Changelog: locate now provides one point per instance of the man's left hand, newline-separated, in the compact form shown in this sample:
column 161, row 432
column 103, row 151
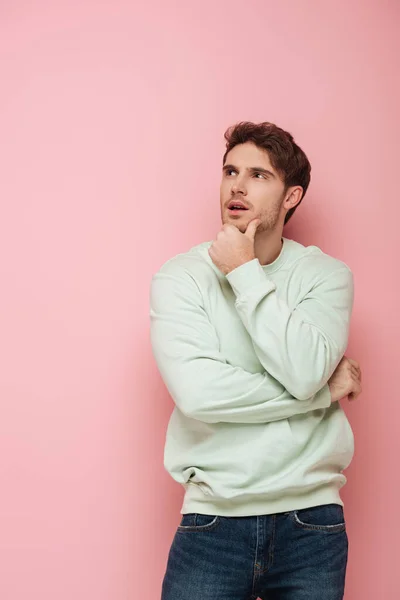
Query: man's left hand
column 233, row 248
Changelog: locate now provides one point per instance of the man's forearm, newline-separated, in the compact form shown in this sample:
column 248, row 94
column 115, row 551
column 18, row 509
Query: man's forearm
column 302, row 346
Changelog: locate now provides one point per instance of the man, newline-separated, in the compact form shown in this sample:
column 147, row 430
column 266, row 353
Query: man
column 249, row 333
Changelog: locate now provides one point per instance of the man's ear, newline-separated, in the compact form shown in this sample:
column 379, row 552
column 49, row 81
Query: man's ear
column 293, row 196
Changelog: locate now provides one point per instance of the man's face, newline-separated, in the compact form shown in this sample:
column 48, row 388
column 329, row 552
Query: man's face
column 248, row 176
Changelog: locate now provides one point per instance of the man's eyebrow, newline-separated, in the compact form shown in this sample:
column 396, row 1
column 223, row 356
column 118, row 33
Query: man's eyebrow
column 251, row 169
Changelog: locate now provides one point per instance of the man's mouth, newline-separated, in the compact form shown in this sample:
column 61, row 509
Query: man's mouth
column 233, row 206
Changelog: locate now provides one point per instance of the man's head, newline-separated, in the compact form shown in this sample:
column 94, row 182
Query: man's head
column 266, row 170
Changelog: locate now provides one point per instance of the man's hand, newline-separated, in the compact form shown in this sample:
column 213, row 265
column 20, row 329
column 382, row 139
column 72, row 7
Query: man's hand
column 233, row 248
column 346, row 380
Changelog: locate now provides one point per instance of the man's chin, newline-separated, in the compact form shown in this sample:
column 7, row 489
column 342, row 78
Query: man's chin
column 241, row 225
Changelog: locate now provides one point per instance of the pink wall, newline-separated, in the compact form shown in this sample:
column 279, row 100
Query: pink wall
column 112, row 119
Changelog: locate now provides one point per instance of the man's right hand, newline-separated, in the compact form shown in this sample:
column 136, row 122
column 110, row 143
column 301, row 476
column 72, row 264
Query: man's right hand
column 346, row 380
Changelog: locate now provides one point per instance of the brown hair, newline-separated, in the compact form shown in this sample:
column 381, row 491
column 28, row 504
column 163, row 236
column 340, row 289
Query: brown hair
column 285, row 155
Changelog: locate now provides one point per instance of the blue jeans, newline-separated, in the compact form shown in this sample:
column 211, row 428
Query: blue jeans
column 296, row 555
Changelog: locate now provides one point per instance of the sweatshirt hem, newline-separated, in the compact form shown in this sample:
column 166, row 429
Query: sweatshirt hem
column 195, row 501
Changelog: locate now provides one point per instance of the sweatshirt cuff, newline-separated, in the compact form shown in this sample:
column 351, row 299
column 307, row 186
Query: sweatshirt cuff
column 247, row 276
column 323, row 398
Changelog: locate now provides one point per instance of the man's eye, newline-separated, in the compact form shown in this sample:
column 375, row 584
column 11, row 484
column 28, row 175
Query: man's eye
column 261, row 175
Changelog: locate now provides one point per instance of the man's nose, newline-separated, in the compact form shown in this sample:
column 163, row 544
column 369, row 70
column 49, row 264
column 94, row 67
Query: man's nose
column 238, row 187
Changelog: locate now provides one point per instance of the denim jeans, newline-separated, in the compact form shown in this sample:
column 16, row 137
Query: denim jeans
column 296, row 555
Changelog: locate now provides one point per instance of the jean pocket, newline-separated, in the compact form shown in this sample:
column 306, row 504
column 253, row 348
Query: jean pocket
column 198, row 522
column 325, row 517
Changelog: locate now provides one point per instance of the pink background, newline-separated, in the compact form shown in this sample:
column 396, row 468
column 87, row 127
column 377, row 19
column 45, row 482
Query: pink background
column 111, row 139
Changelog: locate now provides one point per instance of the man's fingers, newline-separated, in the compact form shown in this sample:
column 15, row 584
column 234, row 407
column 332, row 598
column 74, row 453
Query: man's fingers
column 356, row 391
column 353, row 362
column 252, row 228
column 355, row 365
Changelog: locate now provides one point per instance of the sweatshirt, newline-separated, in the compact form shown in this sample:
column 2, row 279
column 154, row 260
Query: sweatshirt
column 246, row 358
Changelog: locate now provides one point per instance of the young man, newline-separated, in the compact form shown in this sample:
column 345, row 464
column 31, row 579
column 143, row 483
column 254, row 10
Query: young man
column 249, row 333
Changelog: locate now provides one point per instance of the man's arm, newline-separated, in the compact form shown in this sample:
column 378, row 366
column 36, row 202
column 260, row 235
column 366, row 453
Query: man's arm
column 300, row 347
column 200, row 381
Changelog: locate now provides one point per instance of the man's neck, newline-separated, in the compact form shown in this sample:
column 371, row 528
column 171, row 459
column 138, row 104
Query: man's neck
column 268, row 246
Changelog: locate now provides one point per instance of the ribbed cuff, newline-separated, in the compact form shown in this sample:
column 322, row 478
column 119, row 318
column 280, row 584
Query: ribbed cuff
column 323, row 398
column 248, row 275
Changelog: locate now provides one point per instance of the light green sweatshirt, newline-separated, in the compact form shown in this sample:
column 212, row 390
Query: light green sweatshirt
column 246, row 358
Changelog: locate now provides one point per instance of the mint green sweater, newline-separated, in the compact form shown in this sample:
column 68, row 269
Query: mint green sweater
column 246, row 358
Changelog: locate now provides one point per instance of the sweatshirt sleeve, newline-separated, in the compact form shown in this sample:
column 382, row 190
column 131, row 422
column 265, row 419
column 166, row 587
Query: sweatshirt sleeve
column 200, row 381
column 300, row 346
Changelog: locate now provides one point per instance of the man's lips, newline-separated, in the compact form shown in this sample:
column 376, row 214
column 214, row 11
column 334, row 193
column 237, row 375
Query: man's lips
column 237, row 205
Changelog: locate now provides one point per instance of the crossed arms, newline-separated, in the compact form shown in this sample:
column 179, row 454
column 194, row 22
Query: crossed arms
column 299, row 348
